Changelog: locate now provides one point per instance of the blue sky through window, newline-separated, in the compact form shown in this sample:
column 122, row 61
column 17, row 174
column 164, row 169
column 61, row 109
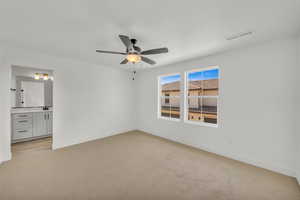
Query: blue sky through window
column 170, row 79
column 204, row 75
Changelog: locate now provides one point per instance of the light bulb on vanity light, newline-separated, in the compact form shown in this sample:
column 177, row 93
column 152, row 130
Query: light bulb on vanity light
column 37, row 76
column 45, row 77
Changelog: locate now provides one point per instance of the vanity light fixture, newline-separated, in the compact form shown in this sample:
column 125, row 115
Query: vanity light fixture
column 45, row 77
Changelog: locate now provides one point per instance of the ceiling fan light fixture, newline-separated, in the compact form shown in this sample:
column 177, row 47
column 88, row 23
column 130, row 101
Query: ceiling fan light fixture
column 134, row 58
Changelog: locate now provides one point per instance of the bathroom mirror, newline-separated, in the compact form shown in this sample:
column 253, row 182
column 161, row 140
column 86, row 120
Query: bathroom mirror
column 32, row 93
column 28, row 90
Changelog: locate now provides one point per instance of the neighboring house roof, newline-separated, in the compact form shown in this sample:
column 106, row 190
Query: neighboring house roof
column 174, row 86
column 204, row 84
column 193, row 85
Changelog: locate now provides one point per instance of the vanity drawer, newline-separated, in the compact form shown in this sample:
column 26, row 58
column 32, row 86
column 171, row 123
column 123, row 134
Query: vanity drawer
column 26, row 122
column 22, row 133
column 22, row 115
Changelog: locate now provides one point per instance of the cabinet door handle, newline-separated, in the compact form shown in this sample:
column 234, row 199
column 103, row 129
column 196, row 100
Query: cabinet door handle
column 44, row 116
column 23, row 121
column 22, row 131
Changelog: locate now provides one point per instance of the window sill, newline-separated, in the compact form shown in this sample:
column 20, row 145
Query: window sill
column 170, row 119
column 201, row 124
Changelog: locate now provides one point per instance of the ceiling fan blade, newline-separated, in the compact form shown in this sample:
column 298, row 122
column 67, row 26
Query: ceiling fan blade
column 125, row 61
column 112, row 52
column 136, row 48
column 148, row 60
column 155, row 51
column 126, row 41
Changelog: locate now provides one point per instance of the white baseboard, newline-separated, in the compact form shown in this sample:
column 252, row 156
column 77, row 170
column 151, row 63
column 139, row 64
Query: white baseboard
column 5, row 159
column 298, row 178
column 256, row 163
column 59, row 146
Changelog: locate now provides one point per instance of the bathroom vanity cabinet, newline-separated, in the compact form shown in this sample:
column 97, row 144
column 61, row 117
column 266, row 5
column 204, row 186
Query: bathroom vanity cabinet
column 31, row 125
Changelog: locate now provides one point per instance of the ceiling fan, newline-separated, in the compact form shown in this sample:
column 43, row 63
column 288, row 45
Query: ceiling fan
column 134, row 54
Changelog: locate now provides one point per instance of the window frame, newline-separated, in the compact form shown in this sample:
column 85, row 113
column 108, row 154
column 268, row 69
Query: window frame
column 160, row 96
column 186, row 108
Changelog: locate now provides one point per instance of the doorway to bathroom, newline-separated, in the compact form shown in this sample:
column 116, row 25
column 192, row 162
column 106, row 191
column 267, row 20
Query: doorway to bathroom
column 31, row 110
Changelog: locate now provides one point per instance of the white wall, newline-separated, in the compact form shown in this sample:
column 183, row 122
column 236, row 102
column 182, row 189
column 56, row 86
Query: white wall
column 90, row 101
column 257, row 106
column 4, row 108
column 298, row 106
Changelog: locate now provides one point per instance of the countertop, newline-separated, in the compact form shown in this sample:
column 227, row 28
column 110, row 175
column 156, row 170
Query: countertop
column 28, row 110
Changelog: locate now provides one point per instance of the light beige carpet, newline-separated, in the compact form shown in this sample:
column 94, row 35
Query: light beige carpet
column 139, row 166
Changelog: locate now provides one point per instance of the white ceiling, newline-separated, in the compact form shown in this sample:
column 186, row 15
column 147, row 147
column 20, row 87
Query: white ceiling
column 189, row 28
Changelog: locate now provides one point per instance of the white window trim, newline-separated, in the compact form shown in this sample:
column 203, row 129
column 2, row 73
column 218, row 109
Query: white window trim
column 202, row 123
column 159, row 96
column 185, row 100
column 169, row 118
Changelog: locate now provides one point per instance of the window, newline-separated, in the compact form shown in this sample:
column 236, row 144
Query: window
column 169, row 96
column 202, row 90
column 167, row 99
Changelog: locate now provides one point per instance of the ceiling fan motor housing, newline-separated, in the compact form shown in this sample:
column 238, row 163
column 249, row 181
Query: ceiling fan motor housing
column 134, row 47
column 133, row 41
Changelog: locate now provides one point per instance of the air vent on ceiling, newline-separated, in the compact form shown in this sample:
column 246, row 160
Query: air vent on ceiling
column 237, row 36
